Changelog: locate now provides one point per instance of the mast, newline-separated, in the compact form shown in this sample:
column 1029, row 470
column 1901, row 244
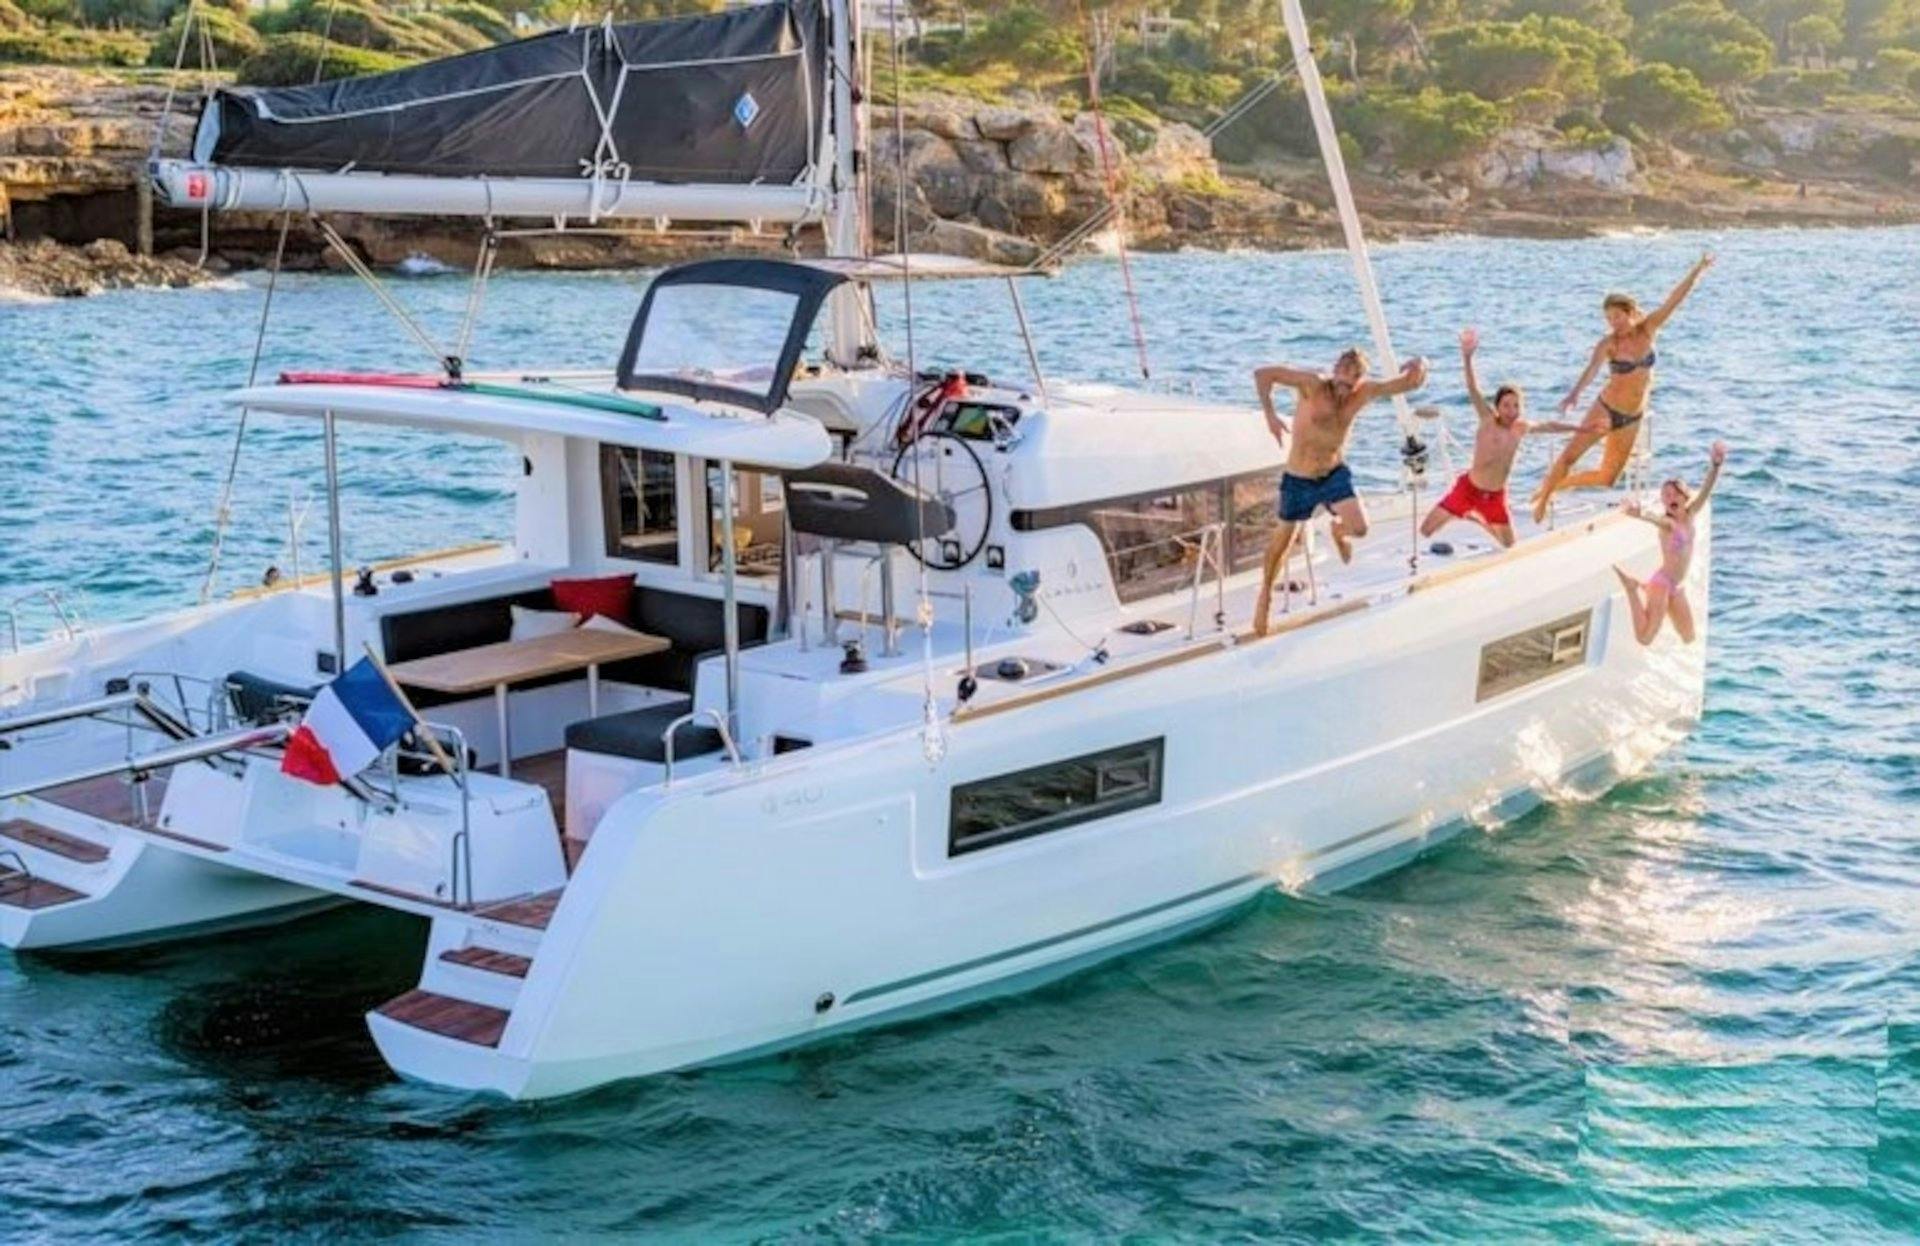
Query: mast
column 846, row 328
column 1329, row 141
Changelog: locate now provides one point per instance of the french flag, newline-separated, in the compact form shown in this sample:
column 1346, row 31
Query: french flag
column 350, row 723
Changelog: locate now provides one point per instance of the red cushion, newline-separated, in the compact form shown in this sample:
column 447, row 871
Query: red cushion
column 611, row 595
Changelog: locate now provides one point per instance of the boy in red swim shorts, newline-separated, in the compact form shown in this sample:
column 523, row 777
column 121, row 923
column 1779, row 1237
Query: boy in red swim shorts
column 1480, row 494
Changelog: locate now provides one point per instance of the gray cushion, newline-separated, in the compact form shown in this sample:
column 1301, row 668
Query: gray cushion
column 640, row 734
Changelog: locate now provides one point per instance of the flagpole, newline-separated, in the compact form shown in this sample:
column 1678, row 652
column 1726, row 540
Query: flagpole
column 424, row 731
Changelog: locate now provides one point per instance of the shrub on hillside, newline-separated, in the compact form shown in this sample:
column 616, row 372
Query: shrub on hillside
column 1430, row 128
column 1897, row 69
column 459, row 34
column 1718, row 46
column 73, row 47
column 289, row 60
column 1663, row 100
column 359, row 24
column 1892, row 156
column 1603, row 17
column 1807, row 87
column 232, row 39
column 1022, row 36
column 1498, row 60
column 12, row 19
column 484, row 18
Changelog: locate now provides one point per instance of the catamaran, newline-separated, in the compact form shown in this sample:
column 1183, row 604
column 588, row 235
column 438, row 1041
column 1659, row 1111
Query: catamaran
column 811, row 693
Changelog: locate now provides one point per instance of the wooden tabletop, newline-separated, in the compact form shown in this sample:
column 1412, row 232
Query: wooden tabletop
column 516, row 661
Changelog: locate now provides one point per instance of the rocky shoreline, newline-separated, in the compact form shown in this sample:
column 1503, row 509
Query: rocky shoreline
column 1002, row 182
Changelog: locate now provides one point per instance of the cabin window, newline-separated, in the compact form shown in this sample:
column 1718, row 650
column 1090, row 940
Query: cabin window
column 1153, row 539
column 990, row 812
column 1527, row 657
column 759, row 515
column 642, row 504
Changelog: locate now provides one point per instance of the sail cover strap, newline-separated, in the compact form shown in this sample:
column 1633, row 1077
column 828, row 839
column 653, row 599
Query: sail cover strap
column 728, row 98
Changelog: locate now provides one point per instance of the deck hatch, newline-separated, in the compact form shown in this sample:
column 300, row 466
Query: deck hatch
column 1515, row 661
column 1060, row 794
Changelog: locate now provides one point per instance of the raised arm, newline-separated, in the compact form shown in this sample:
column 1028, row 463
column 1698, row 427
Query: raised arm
column 1594, row 361
column 1715, row 457
column 1470, row 342
column 1658, row 316
column 1264, row 379
column 1413, row 374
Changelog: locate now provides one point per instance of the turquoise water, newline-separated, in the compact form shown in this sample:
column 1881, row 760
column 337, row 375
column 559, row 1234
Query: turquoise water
column 1687, row 1010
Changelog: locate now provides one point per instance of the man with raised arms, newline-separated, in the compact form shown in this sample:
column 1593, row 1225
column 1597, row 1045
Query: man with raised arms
column 1316, row 474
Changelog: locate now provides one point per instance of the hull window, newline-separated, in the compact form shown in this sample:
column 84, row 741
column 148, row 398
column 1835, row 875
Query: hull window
column 1516, row 661
column 642, row 507
column 989, row 812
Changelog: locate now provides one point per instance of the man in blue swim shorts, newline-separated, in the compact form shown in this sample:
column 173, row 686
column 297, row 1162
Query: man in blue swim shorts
column 1316, row 474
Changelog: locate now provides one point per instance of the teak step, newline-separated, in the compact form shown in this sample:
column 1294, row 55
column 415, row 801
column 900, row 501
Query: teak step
column 110, row 799
column 24, row 891
column 533, row 911
column 59, row 843
column 505, row 963
column 448, row 1017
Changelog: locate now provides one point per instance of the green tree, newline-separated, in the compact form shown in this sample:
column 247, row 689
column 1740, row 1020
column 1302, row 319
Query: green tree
column 1813, row 35
column 1432, row 127
column 1497, row 60
column 1662, row 100
column 1605, row 17
column 1720, row 47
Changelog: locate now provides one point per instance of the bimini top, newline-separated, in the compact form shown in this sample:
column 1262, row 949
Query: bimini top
column 731, row 98
column 782, row 439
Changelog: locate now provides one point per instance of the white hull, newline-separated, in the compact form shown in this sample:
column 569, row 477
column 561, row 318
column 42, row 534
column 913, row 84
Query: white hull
column 711, row 923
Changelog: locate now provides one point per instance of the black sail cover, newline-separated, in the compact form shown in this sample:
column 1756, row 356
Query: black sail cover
column 729, row 98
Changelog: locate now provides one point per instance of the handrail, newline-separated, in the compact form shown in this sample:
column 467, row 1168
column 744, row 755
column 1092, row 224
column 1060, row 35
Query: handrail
column 720, row 724
column 197, row 749
column 1211, row 552
column 70, row 622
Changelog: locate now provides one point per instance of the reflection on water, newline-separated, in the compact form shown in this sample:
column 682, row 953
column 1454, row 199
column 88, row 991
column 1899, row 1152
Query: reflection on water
column 1685, row 1010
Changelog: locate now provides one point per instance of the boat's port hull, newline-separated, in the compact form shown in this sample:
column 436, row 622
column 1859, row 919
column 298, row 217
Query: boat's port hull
column 750, row 912
column 144, row 893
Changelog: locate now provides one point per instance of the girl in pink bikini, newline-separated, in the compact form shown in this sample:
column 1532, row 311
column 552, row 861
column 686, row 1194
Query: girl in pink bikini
column 1664, row 595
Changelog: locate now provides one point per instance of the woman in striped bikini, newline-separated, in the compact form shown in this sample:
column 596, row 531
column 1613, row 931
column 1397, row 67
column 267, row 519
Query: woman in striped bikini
column 1628, row 355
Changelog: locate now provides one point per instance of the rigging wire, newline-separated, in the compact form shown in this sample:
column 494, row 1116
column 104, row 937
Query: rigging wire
column 173, row 79
column 451, row 364
column 326, row 34
column 933, row 743
column 1113, row 197
column 224, row 513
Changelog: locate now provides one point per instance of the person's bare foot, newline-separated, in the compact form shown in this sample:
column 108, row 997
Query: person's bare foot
column 1626, row 581
column 1540, row 503
column 1261, row 608
column 1340, row 541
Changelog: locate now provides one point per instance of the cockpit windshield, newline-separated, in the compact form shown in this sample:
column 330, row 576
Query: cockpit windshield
column 725, row 330
column 730, row 336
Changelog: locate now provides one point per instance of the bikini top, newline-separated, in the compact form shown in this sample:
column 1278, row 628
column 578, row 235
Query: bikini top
column 1621, row 367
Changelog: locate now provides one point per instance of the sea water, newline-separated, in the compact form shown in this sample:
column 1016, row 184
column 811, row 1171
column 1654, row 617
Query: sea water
column 1688, row 1009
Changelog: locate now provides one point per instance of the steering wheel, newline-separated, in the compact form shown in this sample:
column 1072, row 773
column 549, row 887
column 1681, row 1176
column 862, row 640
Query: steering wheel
column 948, row 468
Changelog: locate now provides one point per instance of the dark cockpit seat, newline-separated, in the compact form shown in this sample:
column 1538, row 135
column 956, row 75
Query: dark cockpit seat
column 641, row 734
column 257, row 700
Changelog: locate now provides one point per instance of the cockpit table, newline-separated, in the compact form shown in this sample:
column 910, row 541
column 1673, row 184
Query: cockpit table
column 499, row 666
